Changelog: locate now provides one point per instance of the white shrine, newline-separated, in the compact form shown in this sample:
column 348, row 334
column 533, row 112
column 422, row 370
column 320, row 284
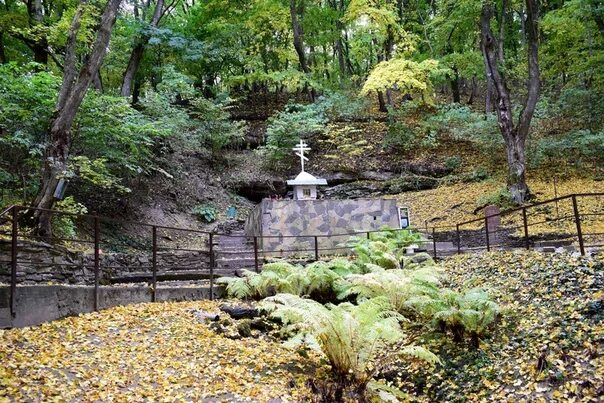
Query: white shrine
column 305, row 184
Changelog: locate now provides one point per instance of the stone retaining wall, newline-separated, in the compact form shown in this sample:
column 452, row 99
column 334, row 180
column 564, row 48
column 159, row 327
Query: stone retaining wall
column 40, row 263
column 37, row 304
column 277, row 219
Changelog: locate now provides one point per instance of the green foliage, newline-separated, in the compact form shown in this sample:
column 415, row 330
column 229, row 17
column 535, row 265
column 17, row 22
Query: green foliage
column 214, row 126
column 286, row 128
column 406, row 76
column 344, row 145
column 111, row 129
column 205, row 213
column 470, row 312
column 384, row 249
column 398, row 286
column 318, row 280
column 576, row 147
column 350, row 336
column 26, row 104
column 64, row 225
column 501, row 198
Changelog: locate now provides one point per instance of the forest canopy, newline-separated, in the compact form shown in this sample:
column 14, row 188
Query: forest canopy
column 98, row 90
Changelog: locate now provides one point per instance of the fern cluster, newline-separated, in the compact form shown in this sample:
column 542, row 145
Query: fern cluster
column 398, row 286
column 350, row 336
column 319, row 280
column 469, row 313
column 385, row 248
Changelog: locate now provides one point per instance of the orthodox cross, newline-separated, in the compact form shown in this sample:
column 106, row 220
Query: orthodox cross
column 300, row 148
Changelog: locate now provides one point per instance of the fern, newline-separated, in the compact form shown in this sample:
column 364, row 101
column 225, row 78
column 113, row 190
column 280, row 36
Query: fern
column 350, row 336
column 398, row 286
column 470, row 312
column 318, row 280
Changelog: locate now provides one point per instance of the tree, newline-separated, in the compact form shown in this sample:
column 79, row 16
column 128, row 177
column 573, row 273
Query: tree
column 514, row 135
column 71, row 94
column 137, row 51
column 297, row 7
column 405, row 76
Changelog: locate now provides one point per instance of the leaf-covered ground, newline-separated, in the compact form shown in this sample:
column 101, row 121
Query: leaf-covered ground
column 547, row 346
column 456, row 203
column 147, row 351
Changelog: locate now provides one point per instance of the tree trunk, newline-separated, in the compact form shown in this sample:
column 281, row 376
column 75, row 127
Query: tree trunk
column 137, row 52
column 298, row 36
column 3, row 59
column 472, row 91
column 39, row 45
column 514, row 136
column 455, row 86
column 71, row 94
column 517, row 186
column 382, row 102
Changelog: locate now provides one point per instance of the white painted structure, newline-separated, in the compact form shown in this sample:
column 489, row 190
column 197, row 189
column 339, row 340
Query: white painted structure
column 305, row 185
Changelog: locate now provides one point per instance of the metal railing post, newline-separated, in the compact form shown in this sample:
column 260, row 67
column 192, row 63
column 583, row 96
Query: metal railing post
column 316, row 248
column 97, row 262
column 368, row 235
column 578, row 223
column 434, row 241
column 256, row 254
column 13, row 261
column 154, row 263
column 211, row 266
column 526, row 234
column 486, row 230
column 458, row 240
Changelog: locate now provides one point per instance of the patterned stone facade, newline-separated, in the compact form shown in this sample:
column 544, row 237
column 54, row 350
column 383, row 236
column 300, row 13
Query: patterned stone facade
column 288, row 226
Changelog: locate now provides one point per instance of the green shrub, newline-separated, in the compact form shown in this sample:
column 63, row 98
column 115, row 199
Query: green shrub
column 501, row 198
column 398, row 286
column 286, row 128
column 205, row 213
column 576, row 146
column 64, row 225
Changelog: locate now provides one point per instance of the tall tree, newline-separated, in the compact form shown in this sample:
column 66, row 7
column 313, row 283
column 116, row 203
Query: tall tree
column 514, row 135
column 297, row 7
column 138, row 50
column 72, row 92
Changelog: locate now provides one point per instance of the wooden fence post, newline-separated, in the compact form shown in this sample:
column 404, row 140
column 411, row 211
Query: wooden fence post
column 97, row 263
column 154, row 263
column 13, row 261
column 256, row 254
column 316, row 248
column 211, row 266
column 458, row 240
column 578, row 223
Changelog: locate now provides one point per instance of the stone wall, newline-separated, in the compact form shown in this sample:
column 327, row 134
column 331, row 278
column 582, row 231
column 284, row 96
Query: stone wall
column 35, row 304
column 40, row 262
column 276, row 220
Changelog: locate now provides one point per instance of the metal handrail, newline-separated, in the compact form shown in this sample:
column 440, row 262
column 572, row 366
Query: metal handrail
column 352, row 233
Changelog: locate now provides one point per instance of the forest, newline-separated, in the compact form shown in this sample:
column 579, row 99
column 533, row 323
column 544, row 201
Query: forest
column 100, row 94
column 136, row 137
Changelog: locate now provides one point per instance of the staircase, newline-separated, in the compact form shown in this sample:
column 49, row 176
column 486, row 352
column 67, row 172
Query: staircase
column 233, row 252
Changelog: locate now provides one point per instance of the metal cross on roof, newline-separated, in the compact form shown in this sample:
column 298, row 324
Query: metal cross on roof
column 300, row 148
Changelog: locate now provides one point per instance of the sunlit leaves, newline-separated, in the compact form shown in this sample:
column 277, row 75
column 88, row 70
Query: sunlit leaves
column 148, row 351
column 404, row 75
